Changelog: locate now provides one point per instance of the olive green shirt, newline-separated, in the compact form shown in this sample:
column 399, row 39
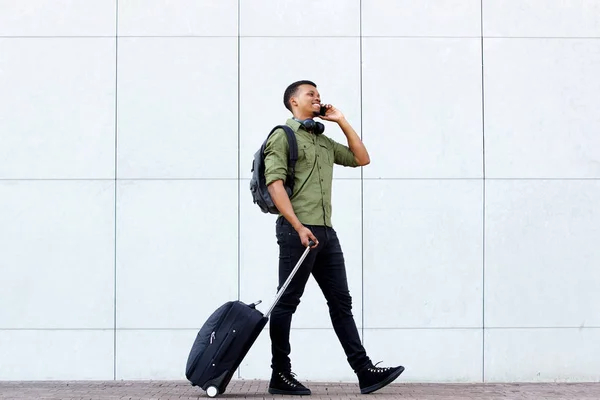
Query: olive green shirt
column 317, row 154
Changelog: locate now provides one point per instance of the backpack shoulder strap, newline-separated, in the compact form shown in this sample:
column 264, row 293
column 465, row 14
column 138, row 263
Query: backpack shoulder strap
column 292, row 155
column 293, row 145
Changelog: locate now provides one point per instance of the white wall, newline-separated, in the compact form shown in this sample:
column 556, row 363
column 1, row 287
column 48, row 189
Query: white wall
column 127, row 133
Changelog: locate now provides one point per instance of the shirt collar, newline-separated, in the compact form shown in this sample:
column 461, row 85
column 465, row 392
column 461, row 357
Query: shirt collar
column 295, row 125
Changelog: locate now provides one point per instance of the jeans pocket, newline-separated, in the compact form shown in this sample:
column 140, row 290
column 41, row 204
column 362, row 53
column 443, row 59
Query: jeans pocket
column 281, row 237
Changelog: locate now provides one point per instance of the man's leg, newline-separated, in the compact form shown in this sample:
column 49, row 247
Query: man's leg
column 290, row 251
column 330, row 273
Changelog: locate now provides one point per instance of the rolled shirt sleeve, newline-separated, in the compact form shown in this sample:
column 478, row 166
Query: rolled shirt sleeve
column 342, row 155
column 276, row 157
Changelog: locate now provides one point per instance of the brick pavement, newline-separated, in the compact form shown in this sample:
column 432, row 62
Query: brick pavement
column 238, row 389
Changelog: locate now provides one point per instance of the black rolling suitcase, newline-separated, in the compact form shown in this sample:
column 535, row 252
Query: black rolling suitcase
column 225, row 338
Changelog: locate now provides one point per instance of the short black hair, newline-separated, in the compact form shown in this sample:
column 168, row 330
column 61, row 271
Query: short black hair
column 291, row 90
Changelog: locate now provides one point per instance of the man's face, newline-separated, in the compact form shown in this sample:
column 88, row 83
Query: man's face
column 308, row 100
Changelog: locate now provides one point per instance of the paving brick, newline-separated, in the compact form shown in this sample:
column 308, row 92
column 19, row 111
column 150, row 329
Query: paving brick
column 241, row 389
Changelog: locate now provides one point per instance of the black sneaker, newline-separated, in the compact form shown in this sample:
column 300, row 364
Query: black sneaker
column 286, row 383
column 373, row 378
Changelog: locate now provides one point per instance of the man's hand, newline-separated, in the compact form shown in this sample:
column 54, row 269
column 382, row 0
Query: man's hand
column 306, row 235
column 332, row 114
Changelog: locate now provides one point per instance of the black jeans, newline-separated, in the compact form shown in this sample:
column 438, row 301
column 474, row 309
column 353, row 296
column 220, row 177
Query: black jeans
column 326, row 263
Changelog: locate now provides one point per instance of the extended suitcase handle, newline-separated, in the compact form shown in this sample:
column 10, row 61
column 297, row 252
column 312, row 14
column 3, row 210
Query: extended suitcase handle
column 289, row 279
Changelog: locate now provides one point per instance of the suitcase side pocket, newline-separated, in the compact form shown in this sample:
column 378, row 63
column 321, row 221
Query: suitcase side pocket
column 225, row 346
column 202, row 345
column 220, row 354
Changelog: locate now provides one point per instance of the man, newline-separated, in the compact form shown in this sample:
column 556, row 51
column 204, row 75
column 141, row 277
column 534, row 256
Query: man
column 305, row 216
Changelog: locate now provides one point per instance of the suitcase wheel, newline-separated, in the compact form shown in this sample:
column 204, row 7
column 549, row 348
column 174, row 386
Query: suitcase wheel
column 212, row 391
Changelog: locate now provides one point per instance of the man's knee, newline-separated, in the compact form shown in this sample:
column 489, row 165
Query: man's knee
column 286, row 305
column 341, row 305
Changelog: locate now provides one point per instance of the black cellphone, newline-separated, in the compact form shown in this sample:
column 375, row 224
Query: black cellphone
column 323, row 110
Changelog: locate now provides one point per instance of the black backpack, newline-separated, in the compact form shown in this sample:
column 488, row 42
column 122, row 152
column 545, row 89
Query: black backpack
column 258, row 187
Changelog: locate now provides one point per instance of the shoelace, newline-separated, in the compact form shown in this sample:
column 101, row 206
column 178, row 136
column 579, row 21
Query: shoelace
column 377, row 369
column 289, row 379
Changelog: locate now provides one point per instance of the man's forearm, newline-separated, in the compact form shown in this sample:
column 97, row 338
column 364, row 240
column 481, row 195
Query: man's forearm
column 282, row 202
column 354, row 143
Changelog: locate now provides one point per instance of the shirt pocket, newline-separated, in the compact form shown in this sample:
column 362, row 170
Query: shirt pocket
column 326, row 152
column 307, row 155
